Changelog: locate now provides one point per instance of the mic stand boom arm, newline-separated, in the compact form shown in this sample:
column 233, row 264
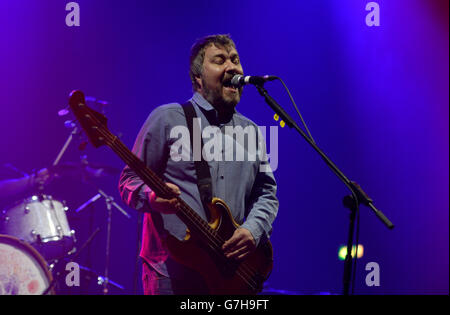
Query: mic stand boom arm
column 351, row 202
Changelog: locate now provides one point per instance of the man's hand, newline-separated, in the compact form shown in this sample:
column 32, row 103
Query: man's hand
column 43, row 177
column 240, row 245
column 166, row 206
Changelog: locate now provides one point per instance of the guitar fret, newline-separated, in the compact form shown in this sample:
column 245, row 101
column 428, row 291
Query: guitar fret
column 159, row 186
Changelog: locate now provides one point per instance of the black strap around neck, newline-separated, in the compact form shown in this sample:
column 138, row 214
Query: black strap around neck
column 201, row 167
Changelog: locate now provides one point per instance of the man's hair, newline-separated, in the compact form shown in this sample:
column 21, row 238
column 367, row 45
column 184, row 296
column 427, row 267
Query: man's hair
column 198, row 54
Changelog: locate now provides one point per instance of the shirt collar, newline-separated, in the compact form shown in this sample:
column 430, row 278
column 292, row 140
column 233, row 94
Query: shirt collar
column 209, row 110
column 201, row 102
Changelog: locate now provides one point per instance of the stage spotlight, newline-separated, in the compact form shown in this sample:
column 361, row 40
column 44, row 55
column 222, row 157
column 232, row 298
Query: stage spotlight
column 343, row 251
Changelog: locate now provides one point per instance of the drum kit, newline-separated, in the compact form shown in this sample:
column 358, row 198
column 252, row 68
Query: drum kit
column 36, row 238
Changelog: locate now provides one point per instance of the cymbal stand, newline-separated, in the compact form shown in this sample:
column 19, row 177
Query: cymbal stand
column 66, row 144
column 109, row 202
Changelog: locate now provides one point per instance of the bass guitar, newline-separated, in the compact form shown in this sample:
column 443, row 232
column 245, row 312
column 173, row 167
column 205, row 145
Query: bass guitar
column 201, row 250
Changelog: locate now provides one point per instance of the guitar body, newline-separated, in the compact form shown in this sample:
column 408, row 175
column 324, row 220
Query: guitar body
column 222, row 275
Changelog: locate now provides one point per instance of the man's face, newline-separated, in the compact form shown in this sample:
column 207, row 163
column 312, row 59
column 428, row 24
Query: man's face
column 219, row 66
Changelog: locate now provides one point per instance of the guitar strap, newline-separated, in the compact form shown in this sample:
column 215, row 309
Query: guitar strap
column 201, row 167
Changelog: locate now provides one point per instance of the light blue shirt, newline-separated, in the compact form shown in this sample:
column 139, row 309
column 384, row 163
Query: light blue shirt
column 249, row 192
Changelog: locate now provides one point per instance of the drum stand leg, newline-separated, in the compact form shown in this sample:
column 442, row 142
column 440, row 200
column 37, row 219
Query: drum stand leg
column 109, row 203
column 108, row 244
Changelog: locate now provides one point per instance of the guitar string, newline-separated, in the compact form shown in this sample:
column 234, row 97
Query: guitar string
column 246, row 269
column 123, row 153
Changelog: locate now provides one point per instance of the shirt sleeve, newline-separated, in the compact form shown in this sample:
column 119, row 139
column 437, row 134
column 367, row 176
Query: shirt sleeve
column 16, row 188
column 263, row 205
column 150, row 147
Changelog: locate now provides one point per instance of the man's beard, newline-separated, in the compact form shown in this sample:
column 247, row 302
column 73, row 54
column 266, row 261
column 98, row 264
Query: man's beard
column 220, row 101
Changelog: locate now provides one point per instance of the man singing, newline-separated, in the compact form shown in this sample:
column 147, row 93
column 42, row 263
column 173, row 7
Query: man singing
column 247, row 186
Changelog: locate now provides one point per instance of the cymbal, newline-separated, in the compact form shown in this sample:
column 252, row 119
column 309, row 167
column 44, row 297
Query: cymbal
column 83, row 168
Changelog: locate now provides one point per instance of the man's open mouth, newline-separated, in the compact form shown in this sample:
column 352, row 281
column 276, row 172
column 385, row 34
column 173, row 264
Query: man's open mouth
column 227, row 84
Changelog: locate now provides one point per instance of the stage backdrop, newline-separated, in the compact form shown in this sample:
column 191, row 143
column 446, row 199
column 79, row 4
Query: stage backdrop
column 370, row 78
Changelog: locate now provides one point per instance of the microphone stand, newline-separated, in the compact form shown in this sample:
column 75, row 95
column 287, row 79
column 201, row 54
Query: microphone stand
column 352, row 201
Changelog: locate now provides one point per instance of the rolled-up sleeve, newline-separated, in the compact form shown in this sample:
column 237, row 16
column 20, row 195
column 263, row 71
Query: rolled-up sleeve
column 263, row 206
column 150, row 146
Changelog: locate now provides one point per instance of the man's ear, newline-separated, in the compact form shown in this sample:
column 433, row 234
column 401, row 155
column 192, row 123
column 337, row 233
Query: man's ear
column 198, row 80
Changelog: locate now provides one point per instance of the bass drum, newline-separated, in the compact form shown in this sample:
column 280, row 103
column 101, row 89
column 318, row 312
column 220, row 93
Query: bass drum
column 23, row 271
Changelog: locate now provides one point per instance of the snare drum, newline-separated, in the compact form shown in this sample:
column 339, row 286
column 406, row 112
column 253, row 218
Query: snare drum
column 42, row 222
column 23, row 271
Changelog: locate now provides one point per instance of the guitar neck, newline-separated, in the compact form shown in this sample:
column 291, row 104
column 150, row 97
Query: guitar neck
column 94, row 124
column 186, row 213
column 138, row 166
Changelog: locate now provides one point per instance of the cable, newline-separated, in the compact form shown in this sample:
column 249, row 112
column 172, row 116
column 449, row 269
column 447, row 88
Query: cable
column 356, row 246
column 354, row 194
column 296, row 108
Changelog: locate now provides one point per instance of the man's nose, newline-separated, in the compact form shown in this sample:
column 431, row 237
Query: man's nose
column 232, row 68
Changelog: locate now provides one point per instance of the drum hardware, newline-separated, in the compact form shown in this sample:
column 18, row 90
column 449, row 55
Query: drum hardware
column 88, row 203
column 109, row 201
column 41, row 221
column 4, row 217
column 55, row 219
column 36, row 237
column 66, row 144
column 58, row 270
column 88, row 277
column 95, row 170
column 59, row 229
column 83, row 169
column 53, row 266
column 101, row 281
column 14, row 169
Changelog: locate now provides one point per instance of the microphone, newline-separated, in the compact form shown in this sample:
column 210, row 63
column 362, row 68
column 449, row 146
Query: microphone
column 239, row 80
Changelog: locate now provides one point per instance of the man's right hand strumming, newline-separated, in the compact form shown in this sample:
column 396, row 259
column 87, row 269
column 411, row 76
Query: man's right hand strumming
column 166, row 206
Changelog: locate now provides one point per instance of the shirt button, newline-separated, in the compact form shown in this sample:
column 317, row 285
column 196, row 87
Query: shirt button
column 221, row 176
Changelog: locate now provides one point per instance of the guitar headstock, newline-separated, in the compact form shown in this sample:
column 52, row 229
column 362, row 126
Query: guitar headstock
column 92, row 122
